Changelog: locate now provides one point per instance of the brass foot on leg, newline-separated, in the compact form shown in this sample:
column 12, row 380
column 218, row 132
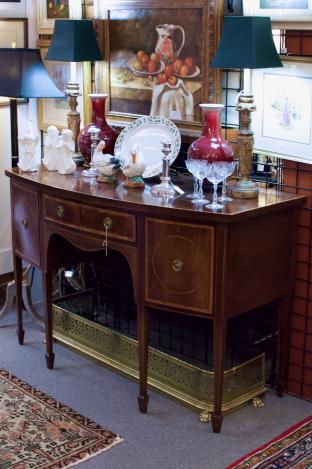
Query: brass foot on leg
column 20, row 336
column 205, row 416
column 257, row 403
column 143, row 402
column 49, row 360
column 216, row 420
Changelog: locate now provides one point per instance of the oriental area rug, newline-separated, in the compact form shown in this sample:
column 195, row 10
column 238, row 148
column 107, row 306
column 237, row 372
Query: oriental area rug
column 37, row 432
column 290, row 450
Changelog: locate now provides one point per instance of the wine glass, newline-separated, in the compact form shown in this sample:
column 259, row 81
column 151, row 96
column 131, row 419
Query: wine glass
column 229, row 167
column 215, row 173
column 194, row 194
column 197, row 169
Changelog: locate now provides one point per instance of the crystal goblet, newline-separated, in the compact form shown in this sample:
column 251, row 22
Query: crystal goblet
column 215, row 173
column 229, row 167
column 197, row 169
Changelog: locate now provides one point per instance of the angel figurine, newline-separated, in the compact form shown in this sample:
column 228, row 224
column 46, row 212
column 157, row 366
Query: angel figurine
column 51, row 153
column 105, row 164
column 66, row 149
column 28, row 145
column 134, row 169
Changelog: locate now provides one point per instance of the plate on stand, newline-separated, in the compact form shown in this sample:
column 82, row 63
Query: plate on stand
column 148, row 132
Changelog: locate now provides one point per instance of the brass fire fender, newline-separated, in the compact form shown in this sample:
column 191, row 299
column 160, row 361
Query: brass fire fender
column 185, row 383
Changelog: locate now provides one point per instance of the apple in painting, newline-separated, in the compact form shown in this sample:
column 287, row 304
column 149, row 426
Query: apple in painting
column 155, row 57
column 138, row 66
column 177, row 64
column 184, row 71
column 152, row 66
column 140, row 55
column 145, row 60
column 172, row 80
column 168, row 70
column 161, row 78
column 189, row 61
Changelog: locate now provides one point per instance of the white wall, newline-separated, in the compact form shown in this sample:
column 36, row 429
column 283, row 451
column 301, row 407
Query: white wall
column 26, row 8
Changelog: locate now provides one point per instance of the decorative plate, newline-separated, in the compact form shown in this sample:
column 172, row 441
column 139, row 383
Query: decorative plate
column 148, row 132
column 144, row 73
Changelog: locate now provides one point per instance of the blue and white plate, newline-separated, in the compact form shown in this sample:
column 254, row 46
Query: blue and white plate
column 147, row 133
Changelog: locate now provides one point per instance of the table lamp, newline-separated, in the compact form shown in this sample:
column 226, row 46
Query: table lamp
column 23, row 75
column 74, row 41
column 246, row 42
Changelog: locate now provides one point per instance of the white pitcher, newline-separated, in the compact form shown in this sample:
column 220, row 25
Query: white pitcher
column 168, row 51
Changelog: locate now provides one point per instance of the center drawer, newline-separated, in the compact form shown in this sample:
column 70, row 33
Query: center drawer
column 119, row 225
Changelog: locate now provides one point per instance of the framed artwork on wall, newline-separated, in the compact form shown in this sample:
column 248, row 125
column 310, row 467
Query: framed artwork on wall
column 280, row 10
column 154, row 63
column 13, row 33
column 282, row 122
column 53, row 111
column 50, row 10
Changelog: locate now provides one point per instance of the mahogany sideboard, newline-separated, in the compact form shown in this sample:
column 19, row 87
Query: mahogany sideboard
column 182, row 258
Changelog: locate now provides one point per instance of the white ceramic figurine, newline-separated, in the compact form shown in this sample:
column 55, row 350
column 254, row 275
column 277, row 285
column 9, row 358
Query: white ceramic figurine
column 105, row 163
column 66, row 148
column 28, row 145
column 51, row 153
column 134, row 169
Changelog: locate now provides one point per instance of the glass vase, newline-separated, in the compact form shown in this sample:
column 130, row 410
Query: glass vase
column 210, row 146
column 107, row 133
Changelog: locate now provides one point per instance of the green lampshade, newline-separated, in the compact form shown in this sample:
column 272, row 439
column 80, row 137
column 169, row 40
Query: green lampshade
column 246, row 42
column 74, row 41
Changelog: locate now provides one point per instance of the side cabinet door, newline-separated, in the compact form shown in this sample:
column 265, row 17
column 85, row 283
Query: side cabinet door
column 25, row 223
column 179, row 270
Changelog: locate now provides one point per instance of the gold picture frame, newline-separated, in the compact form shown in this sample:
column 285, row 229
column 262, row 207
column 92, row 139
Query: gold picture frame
column 49, row 10
column 133, row 94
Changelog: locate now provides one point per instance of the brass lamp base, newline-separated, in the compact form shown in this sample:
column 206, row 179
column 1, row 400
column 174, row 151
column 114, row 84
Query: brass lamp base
column 245, row 190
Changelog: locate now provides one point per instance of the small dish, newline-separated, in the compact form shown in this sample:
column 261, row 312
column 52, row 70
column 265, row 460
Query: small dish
column 148, row 132
column 144, row 73
column 194, row 75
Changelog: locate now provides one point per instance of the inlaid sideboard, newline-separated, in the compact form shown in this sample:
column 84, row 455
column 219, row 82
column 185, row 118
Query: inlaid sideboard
column 183, row 259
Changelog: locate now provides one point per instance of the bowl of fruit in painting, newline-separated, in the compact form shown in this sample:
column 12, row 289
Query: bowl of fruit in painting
column 143, row 64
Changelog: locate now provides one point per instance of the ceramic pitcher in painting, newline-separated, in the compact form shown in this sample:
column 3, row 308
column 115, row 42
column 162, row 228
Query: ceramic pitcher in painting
column 166, row 47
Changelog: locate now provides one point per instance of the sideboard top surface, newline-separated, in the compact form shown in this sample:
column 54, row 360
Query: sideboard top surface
column 141, row 200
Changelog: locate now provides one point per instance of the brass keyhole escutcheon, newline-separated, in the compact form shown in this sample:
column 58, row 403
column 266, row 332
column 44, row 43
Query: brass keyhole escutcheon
column 177, row 265
column 108, row 223
column 25, row 223
column 60, row 210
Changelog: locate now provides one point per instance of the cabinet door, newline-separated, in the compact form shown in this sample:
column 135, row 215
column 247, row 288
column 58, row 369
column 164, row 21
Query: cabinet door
column 179, row 265
column 25, row 223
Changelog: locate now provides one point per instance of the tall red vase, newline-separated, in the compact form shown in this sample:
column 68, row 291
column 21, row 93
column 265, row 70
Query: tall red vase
column 107, row 134
column 210, row 146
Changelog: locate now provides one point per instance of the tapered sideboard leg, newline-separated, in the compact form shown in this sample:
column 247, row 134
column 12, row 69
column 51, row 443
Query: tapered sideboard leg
column 47, row 295
column 18, row 277
column 143, row 334
column 219, row 349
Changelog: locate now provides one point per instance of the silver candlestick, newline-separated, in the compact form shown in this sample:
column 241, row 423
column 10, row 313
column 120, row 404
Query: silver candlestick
column 92, row 172
column 165, row 188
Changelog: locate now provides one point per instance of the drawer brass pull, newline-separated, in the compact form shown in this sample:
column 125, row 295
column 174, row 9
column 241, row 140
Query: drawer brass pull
column 108, row 223
column 60, row 210
column 25, row 223
column 177, row 265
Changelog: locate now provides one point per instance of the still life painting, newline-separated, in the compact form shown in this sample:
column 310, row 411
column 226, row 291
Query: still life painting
column 156, row 61
column 57, row 9
column 282, row 121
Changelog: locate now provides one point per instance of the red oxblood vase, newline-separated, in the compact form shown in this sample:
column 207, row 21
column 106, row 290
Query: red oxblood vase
column 210, row 146
column 107, row 134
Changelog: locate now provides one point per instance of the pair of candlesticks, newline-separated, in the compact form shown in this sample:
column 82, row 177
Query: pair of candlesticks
column 165, row 188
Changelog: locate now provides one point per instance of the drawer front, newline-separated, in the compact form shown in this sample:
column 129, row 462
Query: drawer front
column 179, row 270
column 25, row 210
column 93, row 220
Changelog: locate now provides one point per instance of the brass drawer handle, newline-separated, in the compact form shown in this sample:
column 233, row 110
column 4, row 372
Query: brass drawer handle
column 108, row 223
column 60, row 210
column 177, row 265
column 25, row 223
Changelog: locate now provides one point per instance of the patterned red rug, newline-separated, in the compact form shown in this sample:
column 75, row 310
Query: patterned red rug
column 290, row 450
column 37, row 432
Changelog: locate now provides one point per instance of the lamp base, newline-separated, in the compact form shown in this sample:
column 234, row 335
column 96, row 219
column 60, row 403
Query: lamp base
column 245, row 190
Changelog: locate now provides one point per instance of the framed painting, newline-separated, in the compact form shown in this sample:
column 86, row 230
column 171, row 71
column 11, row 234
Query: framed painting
column 154, row 63
column 53, row 111
column 282, row 121
column 50, row 10
column 280, row 10
column 13, row 33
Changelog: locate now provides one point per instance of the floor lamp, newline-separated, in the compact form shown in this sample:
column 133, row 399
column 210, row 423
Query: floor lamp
column 22, row 75
column 246, row 43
